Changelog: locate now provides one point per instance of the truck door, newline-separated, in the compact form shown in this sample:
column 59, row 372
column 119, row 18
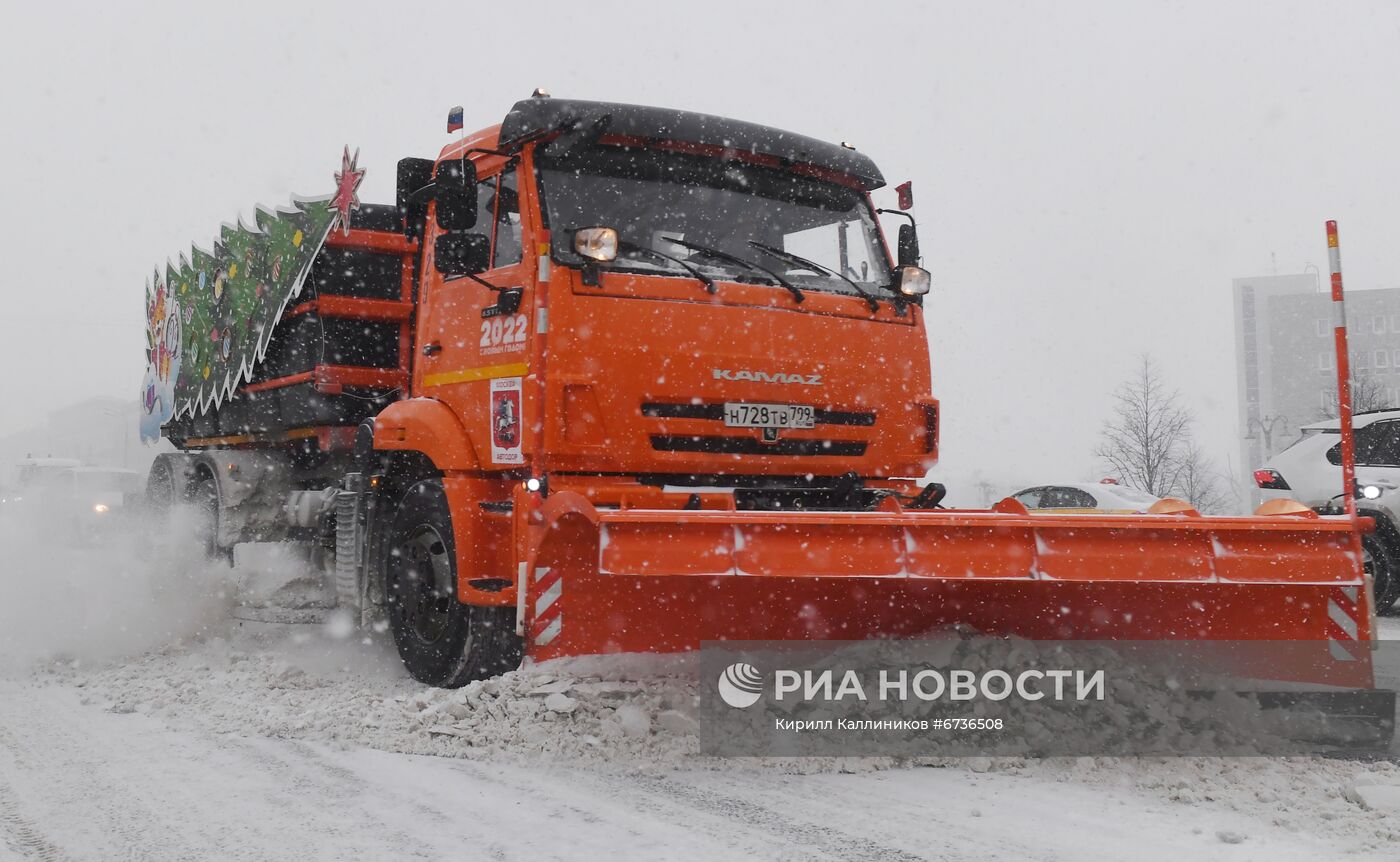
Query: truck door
column 473, row 348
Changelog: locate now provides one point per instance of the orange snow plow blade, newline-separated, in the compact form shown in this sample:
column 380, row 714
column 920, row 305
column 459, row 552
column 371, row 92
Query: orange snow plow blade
column 628, row 580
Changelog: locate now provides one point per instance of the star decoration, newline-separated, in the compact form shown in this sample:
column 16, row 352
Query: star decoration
column 347, row 182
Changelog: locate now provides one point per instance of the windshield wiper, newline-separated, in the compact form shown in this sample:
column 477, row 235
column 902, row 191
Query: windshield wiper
column 803, row 262
column 624, row 245
column 717, row 254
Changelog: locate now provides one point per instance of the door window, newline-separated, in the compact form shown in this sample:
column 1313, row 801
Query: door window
column 1066, row 498
column 1377, row 445
column 498, row 218
column 1031, row 498
column 1382, row 447
column 504, row 203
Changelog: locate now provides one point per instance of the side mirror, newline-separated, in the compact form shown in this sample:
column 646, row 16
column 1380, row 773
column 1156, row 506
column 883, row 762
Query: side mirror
column 413, row 176
column 462, row 253
column 908, row 245
column 456, row 195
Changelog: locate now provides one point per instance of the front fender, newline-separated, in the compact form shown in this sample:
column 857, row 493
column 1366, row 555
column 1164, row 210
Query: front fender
column 428, row 426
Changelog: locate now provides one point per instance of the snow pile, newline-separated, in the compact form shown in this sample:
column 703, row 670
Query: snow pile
column 304, row 682
column 314, row 683
column 575, row 717
column 1144, row 708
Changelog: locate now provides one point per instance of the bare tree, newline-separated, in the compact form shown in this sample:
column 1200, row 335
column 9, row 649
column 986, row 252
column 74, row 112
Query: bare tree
column 1199, row 482
column 1149, row 446
column 1367, row 393
column 1142, row 442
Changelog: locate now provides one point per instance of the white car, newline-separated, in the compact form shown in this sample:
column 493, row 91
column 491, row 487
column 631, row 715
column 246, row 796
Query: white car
column 1086, row 497
column 1310, row 472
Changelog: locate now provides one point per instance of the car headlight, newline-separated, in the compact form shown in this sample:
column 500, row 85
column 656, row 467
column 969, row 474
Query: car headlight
column 100, row 508
column 1370, row 492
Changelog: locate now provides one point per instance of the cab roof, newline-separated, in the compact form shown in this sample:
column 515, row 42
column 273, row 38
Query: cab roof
column 538, row 116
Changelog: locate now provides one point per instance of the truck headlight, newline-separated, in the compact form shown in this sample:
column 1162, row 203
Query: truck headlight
column 914, row 280
column 596, row 243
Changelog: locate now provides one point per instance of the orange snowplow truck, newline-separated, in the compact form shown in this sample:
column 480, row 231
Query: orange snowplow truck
column 612, row 378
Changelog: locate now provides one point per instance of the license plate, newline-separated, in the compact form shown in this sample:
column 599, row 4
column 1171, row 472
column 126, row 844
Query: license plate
column 769, row 415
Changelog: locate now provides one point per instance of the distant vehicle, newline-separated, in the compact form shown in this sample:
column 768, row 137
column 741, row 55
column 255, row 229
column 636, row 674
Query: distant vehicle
column 34, row 473
column 1310, row 472
column 89, row 501
column 98, row 498
column 34, row 476
column 1102, row 498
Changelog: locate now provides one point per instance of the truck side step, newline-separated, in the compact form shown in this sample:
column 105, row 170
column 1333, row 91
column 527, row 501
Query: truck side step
column 350, row 544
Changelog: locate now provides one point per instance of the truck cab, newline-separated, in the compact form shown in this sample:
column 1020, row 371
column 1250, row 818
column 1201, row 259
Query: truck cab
column 654, row 308
column 737, row 314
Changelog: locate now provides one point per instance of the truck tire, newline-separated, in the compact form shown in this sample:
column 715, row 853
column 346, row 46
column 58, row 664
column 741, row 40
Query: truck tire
column 1380, row 561
column 160, row 488
column 204, row 503
column 441, row 641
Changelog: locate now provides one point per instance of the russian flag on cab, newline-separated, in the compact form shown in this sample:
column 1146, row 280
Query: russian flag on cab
column 454, row 119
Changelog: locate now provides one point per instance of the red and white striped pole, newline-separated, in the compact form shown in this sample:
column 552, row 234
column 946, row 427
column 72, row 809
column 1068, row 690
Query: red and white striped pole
column 1339, row 332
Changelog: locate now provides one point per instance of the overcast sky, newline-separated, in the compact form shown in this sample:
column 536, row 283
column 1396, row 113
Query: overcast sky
column 1089, row 176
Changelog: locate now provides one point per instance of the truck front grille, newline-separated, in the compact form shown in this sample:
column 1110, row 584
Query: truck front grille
column 754, row 446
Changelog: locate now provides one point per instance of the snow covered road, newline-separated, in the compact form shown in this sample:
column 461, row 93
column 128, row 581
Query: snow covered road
column 81, row 781
column 181, row 734
column 249, row 745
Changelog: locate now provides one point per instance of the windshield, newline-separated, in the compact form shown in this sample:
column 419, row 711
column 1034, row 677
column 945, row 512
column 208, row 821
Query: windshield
column 651, row 196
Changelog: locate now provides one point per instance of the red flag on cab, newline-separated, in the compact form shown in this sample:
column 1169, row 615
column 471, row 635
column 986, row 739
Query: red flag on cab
column 906, row 195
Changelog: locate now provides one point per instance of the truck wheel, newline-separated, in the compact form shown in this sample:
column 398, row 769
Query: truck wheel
column 442, row 642
column 160, row 488
column 1379, row 562
column 204, row 502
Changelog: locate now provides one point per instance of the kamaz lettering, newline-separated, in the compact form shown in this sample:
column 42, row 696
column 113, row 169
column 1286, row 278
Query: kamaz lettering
column 766, row 377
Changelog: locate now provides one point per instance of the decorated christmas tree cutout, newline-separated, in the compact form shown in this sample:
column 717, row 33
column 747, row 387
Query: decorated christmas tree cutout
column 210, row 316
